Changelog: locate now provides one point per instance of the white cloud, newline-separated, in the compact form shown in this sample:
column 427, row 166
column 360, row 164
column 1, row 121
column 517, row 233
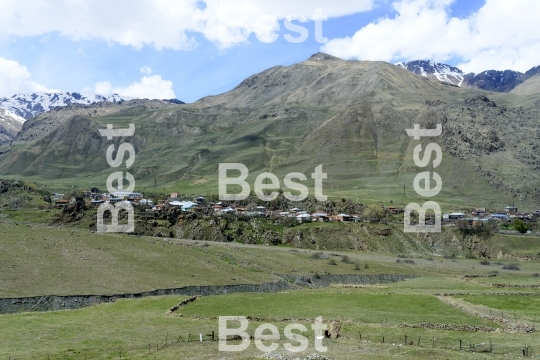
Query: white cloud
column 147, row 70
column 15, row 78
column 501, row 35
column 150, row 87
column 162, row 23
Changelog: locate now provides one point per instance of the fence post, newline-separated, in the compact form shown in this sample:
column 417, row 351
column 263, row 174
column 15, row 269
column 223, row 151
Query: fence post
column 405, row 339
column 459, row 344
column 433, row 340
column 383, row 339
column 418, row 341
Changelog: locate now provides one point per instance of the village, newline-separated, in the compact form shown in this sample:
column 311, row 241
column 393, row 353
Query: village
column 200, row 204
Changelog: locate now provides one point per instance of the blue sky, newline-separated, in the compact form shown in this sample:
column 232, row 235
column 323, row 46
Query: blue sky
column 186, row 59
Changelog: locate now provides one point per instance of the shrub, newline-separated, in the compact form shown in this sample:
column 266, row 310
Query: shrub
column 318, row 255
column 366, row 266
column 520, row 226
column 511, row 267
column 345, row 259
column 470, row 254
column 398, row 261
column 402, row 256
column 536, row 275
column 450, row 256
column 373, row 212
column 429, row 259
column 409, row 261
column 332, row 262
column 485, row 262
column 357, row 265
column 493, row 273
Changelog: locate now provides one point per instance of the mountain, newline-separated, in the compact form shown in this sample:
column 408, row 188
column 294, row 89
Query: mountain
column 348, row 116
column 10, row 125
column 489, row 80
column 430, row 69
column 30, row 105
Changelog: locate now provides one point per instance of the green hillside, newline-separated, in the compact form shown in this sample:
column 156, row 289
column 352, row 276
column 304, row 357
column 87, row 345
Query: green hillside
column 349, row 116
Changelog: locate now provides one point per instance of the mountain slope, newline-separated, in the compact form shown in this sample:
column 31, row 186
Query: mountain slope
column 348, row 116
column 10, row 125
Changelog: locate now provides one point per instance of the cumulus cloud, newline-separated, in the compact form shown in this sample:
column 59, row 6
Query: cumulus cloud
column 149, row 87
column 15, row 78
column 501, row 35
column 164, row 23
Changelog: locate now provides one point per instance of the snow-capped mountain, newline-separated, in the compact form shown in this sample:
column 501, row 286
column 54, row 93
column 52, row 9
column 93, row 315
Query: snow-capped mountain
column 490, row 80
column 10, row 125
column 442, row 72
column 30, row 105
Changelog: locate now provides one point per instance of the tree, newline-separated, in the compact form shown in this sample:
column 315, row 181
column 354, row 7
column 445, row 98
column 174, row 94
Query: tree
column 373, row 212
column 520, row 226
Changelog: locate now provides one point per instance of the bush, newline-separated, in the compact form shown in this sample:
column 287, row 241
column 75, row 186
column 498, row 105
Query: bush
column 520, row 226
column 470, row 255
column 536, row 275
column 345, row 259
column 402, row 256
column 357, row 265
column 493, row 273
column 373, row 212
column 485, row 262
column 409, row 261
column 429, row 259
column 332, row 262
column 450, row 256
column 511, row 267
column 398, row 261
column 319, row 255
column 366, row 266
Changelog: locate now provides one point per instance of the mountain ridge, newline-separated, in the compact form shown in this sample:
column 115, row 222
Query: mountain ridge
column 489, row 80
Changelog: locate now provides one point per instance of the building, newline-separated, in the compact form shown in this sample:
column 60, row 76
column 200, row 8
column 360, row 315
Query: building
column 456, row 216
column 302, row 218
column 344, row 217
column 128, row 195
column 511, row 209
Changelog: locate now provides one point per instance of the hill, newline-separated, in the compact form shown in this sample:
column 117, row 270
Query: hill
column 349, row 116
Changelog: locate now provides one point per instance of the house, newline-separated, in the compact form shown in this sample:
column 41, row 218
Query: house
column 96, row 203
column 478, row 211
column 302, row 218
column 295, row 210
column 456, row 216
column 499, row 217
column 56, row 197
column 61, row 203
column 146, row 202
column 344, row 217
column 128, row 195
column 319, row 216
column 511, row 209
column 174, row 195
